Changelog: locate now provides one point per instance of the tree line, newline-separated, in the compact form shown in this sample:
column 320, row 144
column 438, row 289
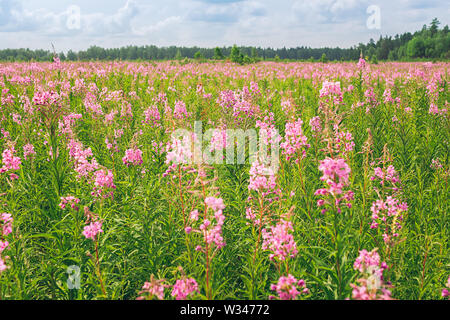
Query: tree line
column 430, row 42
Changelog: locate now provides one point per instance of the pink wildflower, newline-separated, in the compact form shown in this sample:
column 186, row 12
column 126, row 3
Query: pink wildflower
column 179, row 111
column 261, row 178
column 90, row 231
column 445, row 291
column 152, row 116
column 288, row 287
column 336, row 174
column 371, row 282
column 184, row 287
column 279, row 241
column 103, row 180
column 28, row 149
column 71, row 200
column 132, row 156
column 315, row 124
column 294, row 140
column 10, row 162
column 154, row 288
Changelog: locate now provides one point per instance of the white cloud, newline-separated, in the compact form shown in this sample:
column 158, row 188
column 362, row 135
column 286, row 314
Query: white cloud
column 274, row 23
column 117, row 23
column 170, row 21
column 45, row 21
column 326, row 11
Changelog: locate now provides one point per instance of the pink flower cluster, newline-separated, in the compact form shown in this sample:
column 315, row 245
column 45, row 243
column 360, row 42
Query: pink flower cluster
column 46, row 98
column 334, row 169
column 184, row 287
column 239, row 104
column 154, row 288
column 91, row 230
column 179, row 110
column 109, row 118
column 28, row 150
column 371, row 286
column 343, row 142
column 294, row 140
column 336, row 175
column 279, row 241
column 389, row 174
column 436, row 164
column 368, row 260
column 10, row 162
column 213, row 233
column 331, row 90
column 435, row 110
column 152, row 116
column 92, row 106
column 218, row 140
column 65, row 125
column 132, row 156
column 389, row 213
column 215, row 203
column 261, row 178
column 83, row 166
column 103, row 180
column 179, row 151
column 445, row 292
column 361, row 63
column 69, row 200
column 3, row 265
column 370, row 99
column 249, row 214
column 6, row 221
column 267, row 131
column 288, row 288
column 7, row 98
column 315, row 124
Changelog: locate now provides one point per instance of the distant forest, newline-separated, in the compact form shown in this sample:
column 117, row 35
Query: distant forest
column 429, row 43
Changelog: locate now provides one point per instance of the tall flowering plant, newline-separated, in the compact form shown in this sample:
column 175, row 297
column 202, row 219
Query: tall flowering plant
column 388, row 210
column 336, row 196
column 336, row 175
column 6, row 221
column 201, row 211
column 91, row 231
column 371, row 284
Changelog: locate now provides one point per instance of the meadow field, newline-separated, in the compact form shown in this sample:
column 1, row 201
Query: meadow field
column 101, row 200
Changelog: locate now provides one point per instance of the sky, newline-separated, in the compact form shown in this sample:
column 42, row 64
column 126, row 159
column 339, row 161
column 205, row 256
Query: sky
column 78, row 24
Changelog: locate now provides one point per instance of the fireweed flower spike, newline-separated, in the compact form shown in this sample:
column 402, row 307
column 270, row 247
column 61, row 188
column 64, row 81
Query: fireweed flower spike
column 152, row 289
column 445, row 291
column 91, row 231
column 10, row 163
column 279, row 241
column 184, row 287
column 69, row 200
column 28, row 150
column 294, row 141
column 132, row 157
column 336, row 175
column 371, row 284
column 288, row 288
column 6, row 221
